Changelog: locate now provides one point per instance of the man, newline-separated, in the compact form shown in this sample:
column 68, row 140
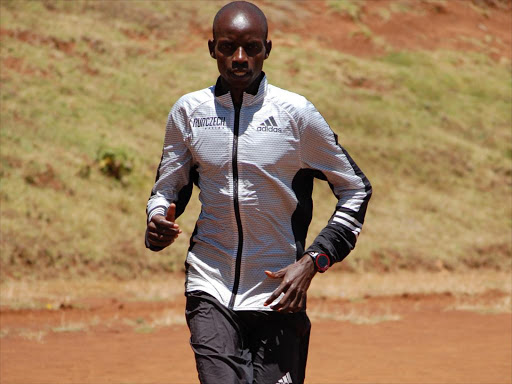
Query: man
column 253, row 149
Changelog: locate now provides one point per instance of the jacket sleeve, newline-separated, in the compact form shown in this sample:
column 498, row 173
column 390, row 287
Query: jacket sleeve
column 321, row 152
column 175, row 174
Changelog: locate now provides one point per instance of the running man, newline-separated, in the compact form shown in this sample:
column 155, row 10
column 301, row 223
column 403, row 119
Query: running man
column 253, row 150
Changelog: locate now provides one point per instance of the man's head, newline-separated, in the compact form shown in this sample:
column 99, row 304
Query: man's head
column 240, row 43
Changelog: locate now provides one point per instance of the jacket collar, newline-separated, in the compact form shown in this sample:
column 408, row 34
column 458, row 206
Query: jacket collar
column 254, row 94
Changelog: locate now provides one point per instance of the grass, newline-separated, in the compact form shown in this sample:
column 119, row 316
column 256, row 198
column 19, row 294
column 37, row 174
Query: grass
column 37, row 336
column 335, row 284
column 421, row 144
column 430, row 129
column 71, row 327
column 357, row 286
column 347, row 7
column 355, row 316
column 50, row 294
column 500, row 305
column 168, row 318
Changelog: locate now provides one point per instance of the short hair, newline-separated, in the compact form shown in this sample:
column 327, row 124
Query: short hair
column 243, row 6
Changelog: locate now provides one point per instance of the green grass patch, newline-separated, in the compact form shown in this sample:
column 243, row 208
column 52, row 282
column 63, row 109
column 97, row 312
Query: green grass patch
column 347, row 7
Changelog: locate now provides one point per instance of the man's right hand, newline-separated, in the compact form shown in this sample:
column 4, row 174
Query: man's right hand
column 162, row 231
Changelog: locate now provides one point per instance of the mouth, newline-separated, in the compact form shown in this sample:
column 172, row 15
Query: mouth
column 240, row 73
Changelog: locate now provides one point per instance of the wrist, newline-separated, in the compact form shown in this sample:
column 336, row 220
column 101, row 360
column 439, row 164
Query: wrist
column 308, row 262
column 159, row 210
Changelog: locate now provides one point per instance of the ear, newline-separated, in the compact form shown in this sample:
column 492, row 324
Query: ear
column 211, row 48
column 268, row 48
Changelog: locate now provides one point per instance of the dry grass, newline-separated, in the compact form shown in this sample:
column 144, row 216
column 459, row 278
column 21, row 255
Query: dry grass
column 355, row 316
column 493, row 306
column 336, row 284
column 168, row 318
column 37, row 336
column 50, row 294
column 355, row 285
column 70, row 327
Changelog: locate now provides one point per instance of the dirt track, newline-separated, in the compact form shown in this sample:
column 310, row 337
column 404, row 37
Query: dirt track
column 427, row 344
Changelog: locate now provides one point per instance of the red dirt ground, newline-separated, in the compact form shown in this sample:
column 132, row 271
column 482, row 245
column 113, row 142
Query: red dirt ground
column 467, row 25
column 428, row 344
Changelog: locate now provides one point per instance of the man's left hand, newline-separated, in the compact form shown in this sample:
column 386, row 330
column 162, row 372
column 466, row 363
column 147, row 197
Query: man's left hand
column 296, row 280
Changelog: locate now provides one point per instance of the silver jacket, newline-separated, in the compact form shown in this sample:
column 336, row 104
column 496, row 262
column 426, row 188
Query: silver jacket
column 254, row 166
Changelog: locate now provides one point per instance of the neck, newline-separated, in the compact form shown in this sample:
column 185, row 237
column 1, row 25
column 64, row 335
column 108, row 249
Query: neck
column 237, row 96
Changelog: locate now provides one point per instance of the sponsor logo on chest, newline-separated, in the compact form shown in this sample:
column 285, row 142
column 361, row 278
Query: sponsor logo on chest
column 212, row 122
column 269, row 125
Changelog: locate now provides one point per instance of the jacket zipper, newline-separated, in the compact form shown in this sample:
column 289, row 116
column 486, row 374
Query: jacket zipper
column 237, row 208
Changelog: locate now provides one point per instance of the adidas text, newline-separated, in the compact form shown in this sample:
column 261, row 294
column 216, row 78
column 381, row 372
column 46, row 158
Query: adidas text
column 269, row 125
column 269, row 129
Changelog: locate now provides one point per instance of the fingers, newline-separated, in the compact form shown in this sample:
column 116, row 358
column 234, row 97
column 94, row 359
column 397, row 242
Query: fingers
column 155, row 236
column 171, row 213
column 296, row 279
column 284, row 304
column 276, row 275
column 159, row 239
column 163, row 227
column 289, row 293
column 159, row 242
column 274, row 295
column 163, row 224
column 293, row 301
column 297, row 303
column 161, row 230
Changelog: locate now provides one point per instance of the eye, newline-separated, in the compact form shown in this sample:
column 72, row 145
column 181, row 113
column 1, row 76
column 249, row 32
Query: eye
column 253, row 48
column 226, row 47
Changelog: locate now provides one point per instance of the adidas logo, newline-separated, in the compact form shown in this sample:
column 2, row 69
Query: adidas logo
column 269, row 125
column 286, row 379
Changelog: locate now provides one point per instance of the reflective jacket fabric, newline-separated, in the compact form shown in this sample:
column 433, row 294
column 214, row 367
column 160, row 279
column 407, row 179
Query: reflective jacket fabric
column 255, row 167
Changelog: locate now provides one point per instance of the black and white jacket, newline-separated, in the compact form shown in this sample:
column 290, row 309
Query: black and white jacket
column 255, row 167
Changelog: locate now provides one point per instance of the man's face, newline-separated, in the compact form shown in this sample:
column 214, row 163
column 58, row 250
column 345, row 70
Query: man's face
column 239, row 48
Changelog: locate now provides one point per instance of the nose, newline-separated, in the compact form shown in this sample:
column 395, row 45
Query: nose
column 240, row 56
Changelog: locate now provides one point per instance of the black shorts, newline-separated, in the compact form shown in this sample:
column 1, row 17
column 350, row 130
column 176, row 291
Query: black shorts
column 246, row 347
